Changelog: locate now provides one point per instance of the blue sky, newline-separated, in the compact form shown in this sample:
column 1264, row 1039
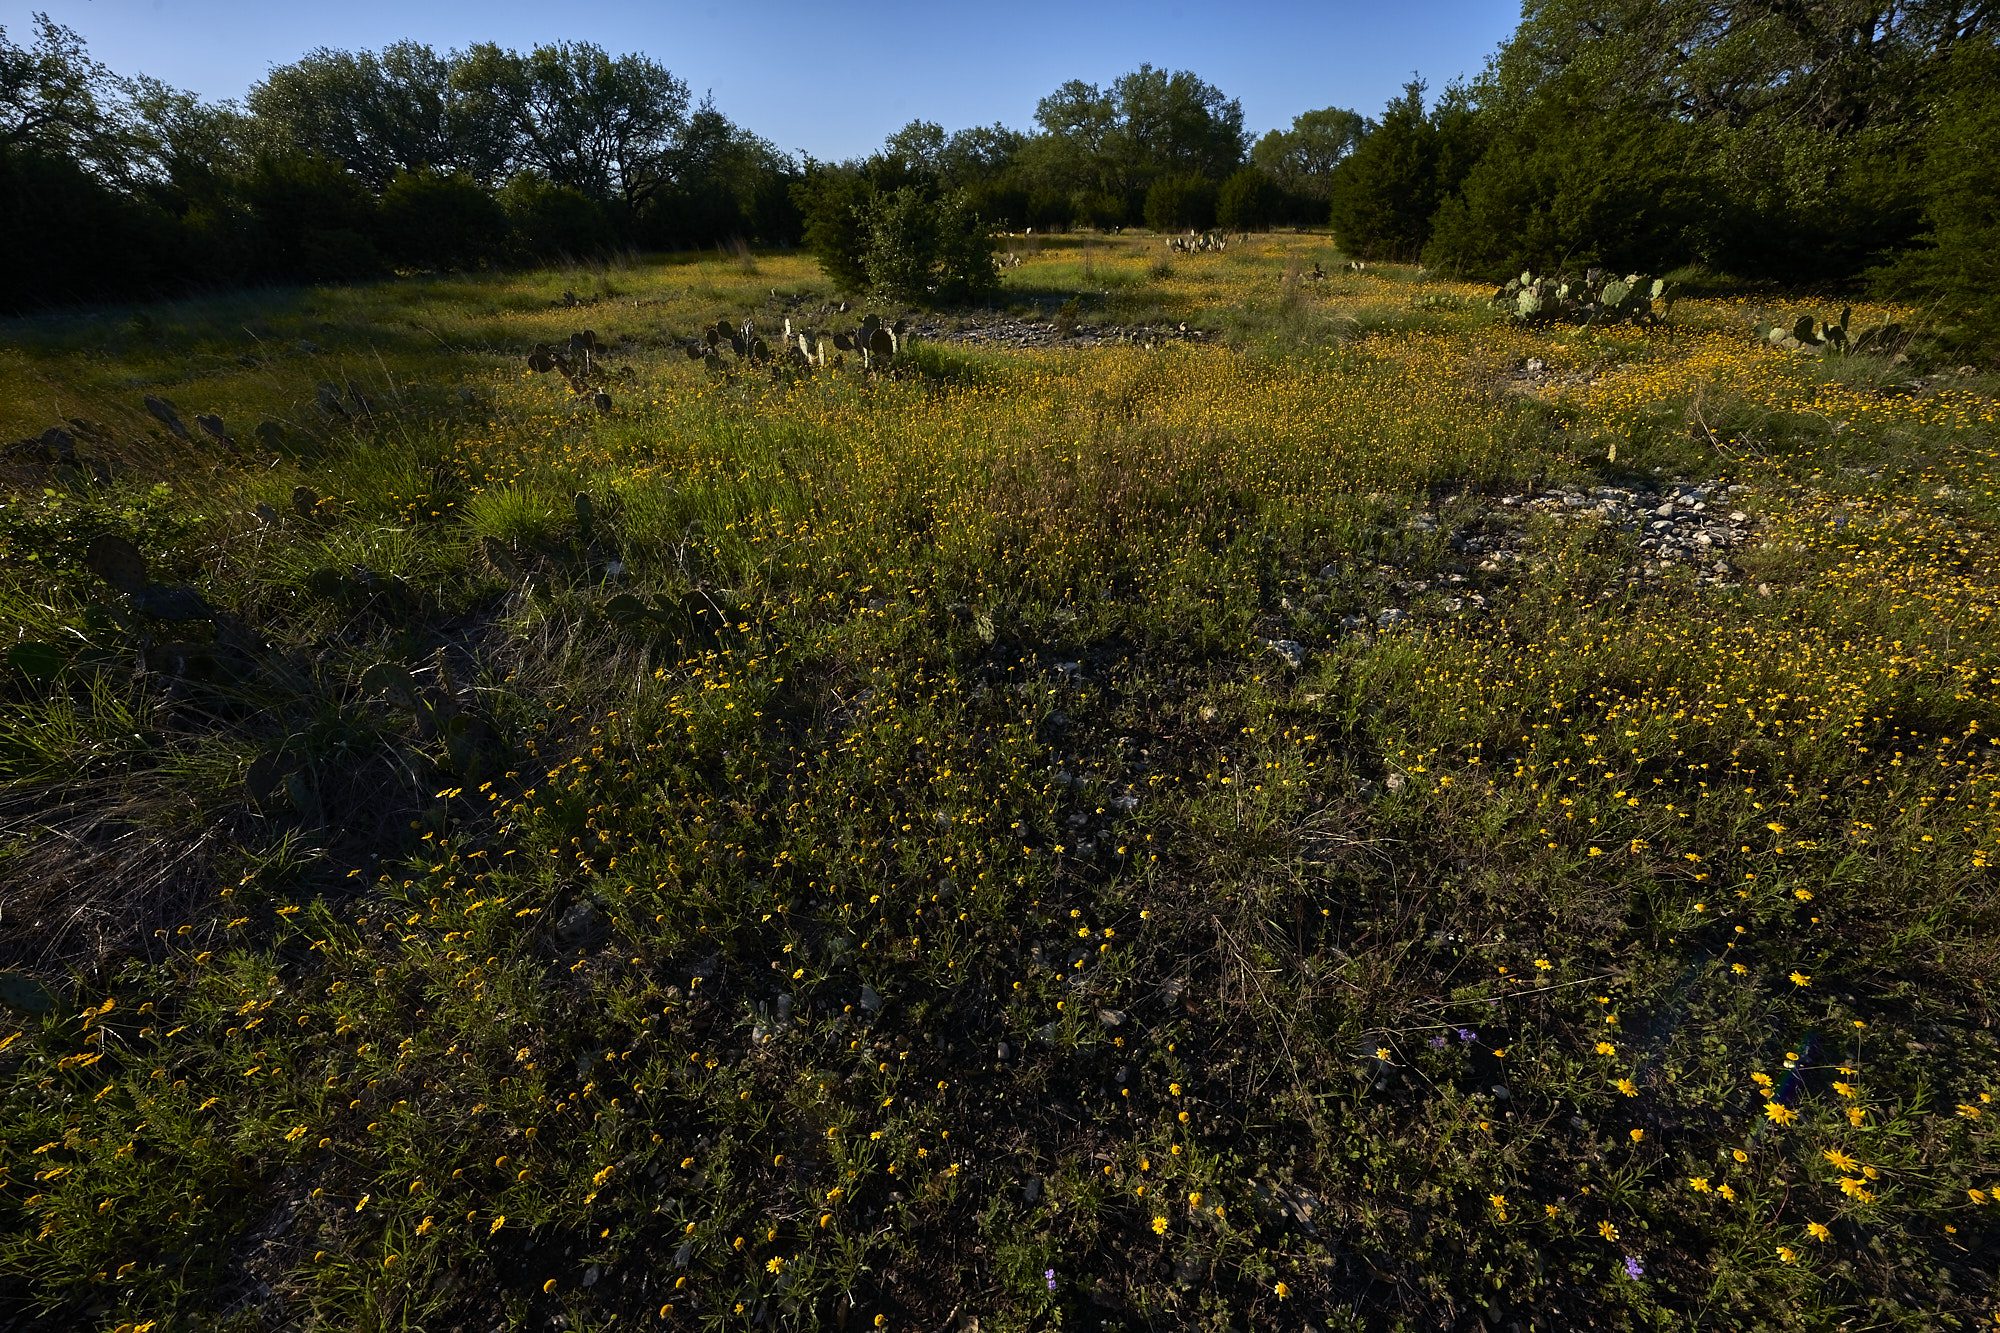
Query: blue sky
column 834, row 78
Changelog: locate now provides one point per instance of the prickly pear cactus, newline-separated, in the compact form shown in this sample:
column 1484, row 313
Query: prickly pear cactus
column 799, row 351
column 1806, row 334
column 577, row 361
column 1596, row 297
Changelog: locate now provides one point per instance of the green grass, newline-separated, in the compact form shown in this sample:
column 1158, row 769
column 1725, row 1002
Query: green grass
column 933, row 897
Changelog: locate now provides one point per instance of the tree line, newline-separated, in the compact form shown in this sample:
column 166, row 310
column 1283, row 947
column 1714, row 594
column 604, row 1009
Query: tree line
column 348, row 164
column 1829, row 143
column 1795, row 141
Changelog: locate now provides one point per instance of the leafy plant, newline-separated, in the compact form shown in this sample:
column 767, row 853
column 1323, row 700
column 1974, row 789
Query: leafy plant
column 910, row 245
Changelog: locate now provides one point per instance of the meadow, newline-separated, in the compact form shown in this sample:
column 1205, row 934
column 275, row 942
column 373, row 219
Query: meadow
column 1262, row 830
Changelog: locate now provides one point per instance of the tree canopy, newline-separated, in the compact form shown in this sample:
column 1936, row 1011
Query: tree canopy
column 1302, row 159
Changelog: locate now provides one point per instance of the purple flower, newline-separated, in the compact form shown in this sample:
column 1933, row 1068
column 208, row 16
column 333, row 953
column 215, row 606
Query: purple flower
column 1437, row 1042
column 1467, row 1034
column 1633, row 1268
column 1049, row 1276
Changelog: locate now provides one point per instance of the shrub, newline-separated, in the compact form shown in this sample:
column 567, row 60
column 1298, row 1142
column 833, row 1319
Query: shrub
column 335, row 254
column 549, row 221
column 442, row 222
column 834, row 203
column 966, row 270
column 906, row 244
column 1093, row 208
column 219, row 242
column 1249, row 201
column 1959, row 266
column 313, row 219
column 1050, row 210
column 1383, row 194
column 1623, row 191
column 1180, row 202
column 1002, row 203
column 927, row 251
column 68, row 237
column 901, row 246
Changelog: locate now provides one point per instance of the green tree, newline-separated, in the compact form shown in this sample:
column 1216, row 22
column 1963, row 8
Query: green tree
column 980, row 161
column 1833, row 65
column 71, row 237
column 313, row 218
column 1302, row 159
column 1248, row 201
column 182, row 150
column 834, row 201
column 606, row 125
column 1171, row 122
column 1080, row 113
column 57, row 101
column 1101, row 149
column 438, row 221
column 918, row 148
column 726, row 184
column 403, row 109
column 111, row 186
column 980, row 153
column 1798, row 124
column 1386, row 190
column 1957, row 264
column 1557, row 191
column 550, row 221
column 1071, row 159
column 1180, row 201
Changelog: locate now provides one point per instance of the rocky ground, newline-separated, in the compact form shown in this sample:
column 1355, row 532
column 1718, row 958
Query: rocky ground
column 1694, row 525
column 1533, row 375
column 1012, row 331
column 1693, row 528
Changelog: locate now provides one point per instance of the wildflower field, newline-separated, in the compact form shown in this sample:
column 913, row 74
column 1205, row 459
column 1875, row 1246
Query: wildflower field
column 1271, row 829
